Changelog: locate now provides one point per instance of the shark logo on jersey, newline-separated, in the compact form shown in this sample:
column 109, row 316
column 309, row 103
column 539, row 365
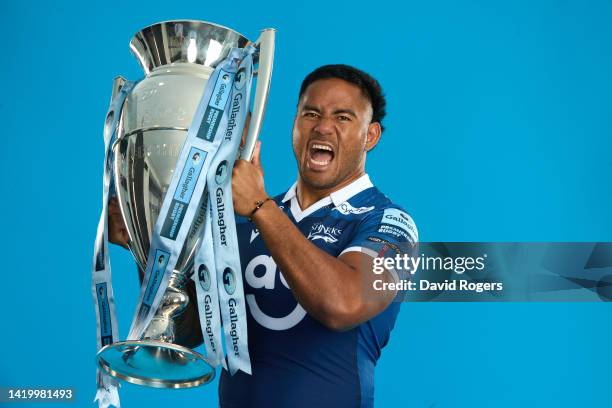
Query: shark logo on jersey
column 327, row 234
column 347, row 209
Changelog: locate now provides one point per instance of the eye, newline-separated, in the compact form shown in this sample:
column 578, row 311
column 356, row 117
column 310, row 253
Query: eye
column 344, row 118
column 310, row 114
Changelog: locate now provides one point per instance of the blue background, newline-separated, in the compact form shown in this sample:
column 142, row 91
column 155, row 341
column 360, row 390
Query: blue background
column 499, row 129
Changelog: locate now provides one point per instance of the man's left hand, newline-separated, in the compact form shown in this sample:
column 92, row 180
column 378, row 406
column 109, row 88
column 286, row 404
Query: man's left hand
column 248, row 183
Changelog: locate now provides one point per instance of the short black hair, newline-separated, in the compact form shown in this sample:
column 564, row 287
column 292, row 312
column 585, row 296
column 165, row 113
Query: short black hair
column 368, row 85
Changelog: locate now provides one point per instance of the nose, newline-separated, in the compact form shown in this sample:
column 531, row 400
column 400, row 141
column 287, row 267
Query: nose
column 324, row 126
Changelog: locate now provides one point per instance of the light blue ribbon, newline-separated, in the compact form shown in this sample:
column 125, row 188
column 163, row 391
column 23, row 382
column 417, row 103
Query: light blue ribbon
column 183, row 195
column 206, row 288
column 102, row 289
column 211, row 144
column 221, row 218
column 212, row 140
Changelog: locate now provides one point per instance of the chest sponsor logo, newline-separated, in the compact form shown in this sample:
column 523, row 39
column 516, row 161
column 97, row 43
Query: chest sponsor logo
column 267, row 280
column 327, row 234
column 347, row 209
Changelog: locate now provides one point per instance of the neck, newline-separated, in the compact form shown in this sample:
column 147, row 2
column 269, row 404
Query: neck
column 307, row 195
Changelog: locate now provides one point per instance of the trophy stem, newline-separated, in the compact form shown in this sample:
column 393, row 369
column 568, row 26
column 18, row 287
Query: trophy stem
column 175, row 301
column 155, row 360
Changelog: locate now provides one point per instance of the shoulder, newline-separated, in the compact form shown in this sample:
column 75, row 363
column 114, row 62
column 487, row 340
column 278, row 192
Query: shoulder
column 386, row 216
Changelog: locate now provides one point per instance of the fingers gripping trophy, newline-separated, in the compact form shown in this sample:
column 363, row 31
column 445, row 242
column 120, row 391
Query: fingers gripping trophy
column 171, row 141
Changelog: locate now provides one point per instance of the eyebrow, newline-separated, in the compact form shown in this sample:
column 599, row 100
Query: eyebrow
column 337, row 111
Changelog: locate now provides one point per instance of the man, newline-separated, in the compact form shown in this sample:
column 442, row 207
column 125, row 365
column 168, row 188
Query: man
column 314, row 333
column 316, row 344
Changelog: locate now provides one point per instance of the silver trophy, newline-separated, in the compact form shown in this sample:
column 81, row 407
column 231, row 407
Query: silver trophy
column 177, row 57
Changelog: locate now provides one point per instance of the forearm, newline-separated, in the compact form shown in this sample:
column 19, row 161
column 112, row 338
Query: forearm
column 327, row 288
column 330, row 289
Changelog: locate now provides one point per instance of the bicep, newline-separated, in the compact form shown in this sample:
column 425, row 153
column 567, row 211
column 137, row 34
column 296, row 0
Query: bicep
column 374, row 293
column 381, row 236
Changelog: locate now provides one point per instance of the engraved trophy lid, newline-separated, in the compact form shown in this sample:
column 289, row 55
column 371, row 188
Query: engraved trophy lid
column 184, row 41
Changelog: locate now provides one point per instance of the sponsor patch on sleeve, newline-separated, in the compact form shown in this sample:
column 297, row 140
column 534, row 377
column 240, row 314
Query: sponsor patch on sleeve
column 398, row 224
column 386, row 244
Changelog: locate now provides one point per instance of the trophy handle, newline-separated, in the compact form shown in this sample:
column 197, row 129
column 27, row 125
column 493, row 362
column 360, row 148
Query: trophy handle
column 118, row 83
column 265, row 43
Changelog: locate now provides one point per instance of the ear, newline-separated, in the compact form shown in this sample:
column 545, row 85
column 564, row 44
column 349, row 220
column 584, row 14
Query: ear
column 374, row 132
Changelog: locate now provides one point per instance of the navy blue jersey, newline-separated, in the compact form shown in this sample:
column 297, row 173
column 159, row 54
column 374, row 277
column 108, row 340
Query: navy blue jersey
column 296, row 361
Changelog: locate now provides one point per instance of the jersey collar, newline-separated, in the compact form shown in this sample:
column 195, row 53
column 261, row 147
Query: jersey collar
column 337, row 197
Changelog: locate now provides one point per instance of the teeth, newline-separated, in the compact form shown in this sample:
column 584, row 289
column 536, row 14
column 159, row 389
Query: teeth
column 321, row 147
column 316, row 146
column 320, row 163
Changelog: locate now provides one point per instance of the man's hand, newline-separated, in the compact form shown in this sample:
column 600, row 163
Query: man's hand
column 248, row 183
column 117, row 232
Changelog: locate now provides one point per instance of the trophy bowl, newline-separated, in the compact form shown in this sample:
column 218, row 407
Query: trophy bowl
column 177, row 57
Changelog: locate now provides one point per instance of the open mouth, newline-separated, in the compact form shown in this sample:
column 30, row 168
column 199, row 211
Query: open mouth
column 320, row 155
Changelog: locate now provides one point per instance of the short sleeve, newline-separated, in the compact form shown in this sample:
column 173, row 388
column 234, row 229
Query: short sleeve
column 390, row 229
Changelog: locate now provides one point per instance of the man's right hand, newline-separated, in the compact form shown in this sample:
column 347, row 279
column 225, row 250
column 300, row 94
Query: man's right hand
column 117, row 232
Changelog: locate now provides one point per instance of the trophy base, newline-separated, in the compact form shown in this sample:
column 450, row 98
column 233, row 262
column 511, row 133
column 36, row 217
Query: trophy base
column 155, row 364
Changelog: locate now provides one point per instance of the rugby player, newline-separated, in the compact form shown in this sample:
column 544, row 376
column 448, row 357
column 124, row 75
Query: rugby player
column 314, row 334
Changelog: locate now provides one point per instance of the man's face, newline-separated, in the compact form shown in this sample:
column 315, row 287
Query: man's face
column 330, row 132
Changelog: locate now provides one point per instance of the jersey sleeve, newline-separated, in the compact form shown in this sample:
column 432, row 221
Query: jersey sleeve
column 385, row 232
